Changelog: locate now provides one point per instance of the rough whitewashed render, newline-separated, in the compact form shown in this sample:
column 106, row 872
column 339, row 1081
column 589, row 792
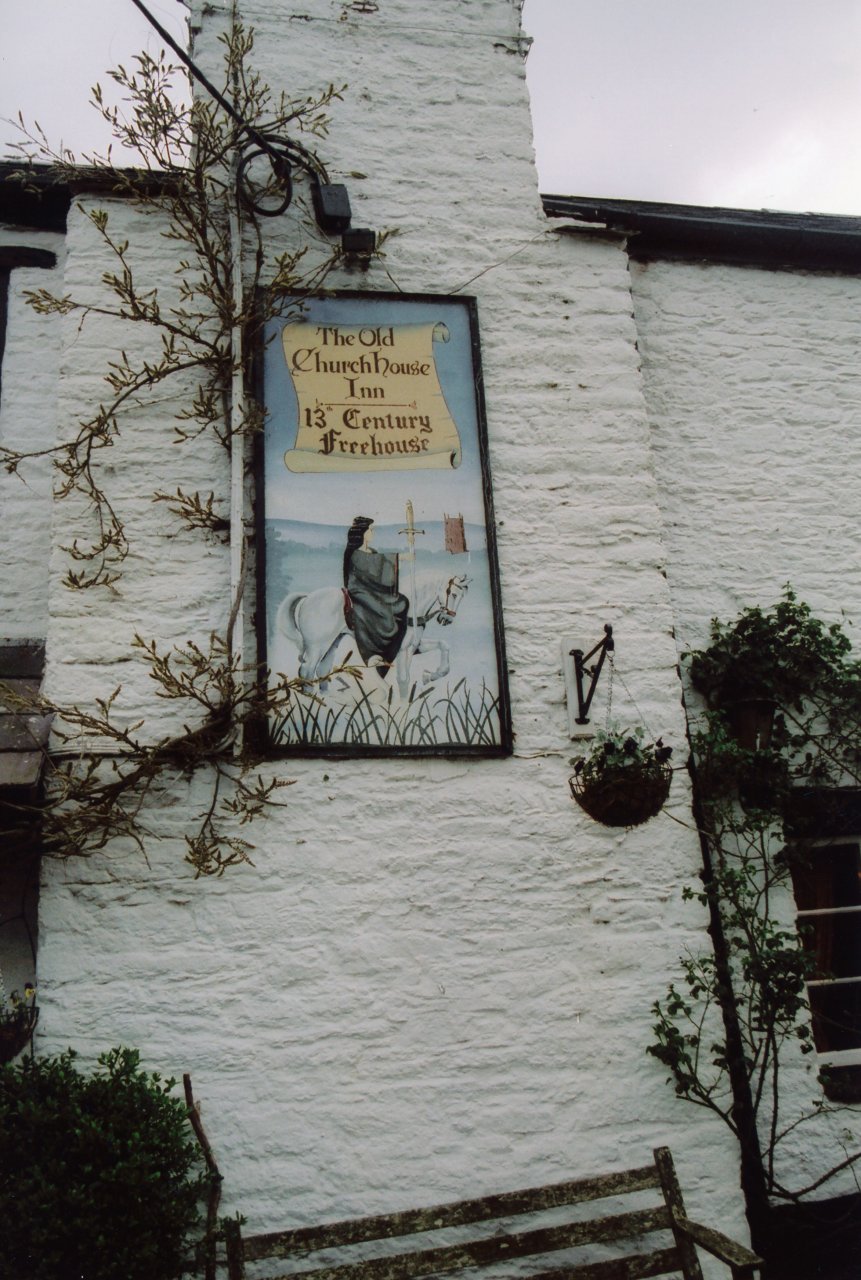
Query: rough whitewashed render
column 753, row 388
column 435, row 979
column 27, row 417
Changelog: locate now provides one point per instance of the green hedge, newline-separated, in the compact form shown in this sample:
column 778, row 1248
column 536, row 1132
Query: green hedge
column 100, row 1176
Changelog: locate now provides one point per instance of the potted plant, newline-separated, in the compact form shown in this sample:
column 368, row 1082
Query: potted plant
column 725, row 768
column 765, row 783
column 18, row 1017
column 624, row 780
column 764, row 660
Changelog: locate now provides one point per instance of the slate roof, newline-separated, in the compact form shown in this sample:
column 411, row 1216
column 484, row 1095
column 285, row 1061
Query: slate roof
column 34, row 196
column 756, row 237
column 751, row 237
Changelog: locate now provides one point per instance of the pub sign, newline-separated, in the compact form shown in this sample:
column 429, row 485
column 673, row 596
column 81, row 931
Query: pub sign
column 378, row 570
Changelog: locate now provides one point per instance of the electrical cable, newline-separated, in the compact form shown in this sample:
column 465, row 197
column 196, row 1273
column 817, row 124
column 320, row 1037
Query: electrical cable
column 280, row 168
column 280, row 152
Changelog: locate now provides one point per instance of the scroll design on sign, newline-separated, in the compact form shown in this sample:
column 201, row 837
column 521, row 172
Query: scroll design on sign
column 369, row 398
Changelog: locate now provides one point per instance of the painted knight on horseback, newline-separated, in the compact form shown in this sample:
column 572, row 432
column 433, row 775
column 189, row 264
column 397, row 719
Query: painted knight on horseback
column 375, row 610
column 386, row 618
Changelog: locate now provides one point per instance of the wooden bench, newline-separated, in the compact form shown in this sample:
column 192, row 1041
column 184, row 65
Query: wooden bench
column 657, row 1238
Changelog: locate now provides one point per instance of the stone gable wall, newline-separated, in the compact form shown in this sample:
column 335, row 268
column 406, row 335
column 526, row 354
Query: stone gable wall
column 753, row 391
column 435, row 980
column 27, row 421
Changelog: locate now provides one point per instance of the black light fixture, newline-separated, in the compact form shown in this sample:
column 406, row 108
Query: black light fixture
column 358, row 244
column 331, row 206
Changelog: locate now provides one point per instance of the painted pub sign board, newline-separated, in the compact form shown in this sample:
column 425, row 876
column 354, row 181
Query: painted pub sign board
column 379, row 569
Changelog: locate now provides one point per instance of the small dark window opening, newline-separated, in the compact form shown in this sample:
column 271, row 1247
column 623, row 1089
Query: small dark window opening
column 4, row 311
column 23, row 742
column 827, row 883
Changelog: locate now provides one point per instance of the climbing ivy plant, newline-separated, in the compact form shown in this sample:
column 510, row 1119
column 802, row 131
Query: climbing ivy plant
column 191, row 156
column 727, row 1022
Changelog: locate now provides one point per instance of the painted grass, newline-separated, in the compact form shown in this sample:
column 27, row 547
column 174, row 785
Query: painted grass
column 456, row 716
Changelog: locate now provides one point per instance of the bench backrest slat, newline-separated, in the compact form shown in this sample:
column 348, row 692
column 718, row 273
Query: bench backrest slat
column 498, row 1248
column 283, row 1244
column 634, row 1266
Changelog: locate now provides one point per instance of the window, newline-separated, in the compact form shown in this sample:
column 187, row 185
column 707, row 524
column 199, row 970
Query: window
column 4, row 308
column 827, row 883
column 825, row 828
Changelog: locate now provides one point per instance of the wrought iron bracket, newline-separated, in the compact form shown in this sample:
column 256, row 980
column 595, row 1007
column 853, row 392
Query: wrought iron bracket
column 602, row 648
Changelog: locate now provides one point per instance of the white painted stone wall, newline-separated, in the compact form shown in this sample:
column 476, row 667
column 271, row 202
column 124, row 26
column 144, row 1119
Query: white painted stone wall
column 27, row 421
column 753, row 387
column 435, row 980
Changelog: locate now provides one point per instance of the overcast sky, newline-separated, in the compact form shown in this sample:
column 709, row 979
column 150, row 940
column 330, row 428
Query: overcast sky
column 752, row 103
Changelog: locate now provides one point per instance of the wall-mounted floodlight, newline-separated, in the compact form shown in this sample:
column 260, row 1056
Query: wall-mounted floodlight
column 331, row 206
column 359, row 244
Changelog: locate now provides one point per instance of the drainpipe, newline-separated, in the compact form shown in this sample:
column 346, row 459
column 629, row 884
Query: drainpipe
column 238, row 542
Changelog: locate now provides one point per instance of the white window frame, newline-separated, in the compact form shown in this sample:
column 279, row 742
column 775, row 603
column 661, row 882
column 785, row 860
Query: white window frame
column 832, row 1057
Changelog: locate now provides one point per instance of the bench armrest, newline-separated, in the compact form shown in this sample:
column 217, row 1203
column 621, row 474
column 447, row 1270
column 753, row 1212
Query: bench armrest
column 740, row 1260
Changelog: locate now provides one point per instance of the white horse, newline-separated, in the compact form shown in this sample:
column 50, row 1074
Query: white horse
column 314, row 621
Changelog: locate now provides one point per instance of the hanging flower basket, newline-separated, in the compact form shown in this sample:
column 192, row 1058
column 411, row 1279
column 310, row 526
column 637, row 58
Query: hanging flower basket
column 16, row 1029
column 623, row 782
